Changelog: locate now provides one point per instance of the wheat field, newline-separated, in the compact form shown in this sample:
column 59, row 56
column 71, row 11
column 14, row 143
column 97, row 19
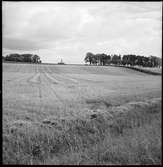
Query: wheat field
column 44, row 106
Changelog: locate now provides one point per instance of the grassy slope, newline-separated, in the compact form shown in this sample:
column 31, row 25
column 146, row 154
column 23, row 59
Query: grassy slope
column 114, row 131
column 129, row 134
column 152, row 71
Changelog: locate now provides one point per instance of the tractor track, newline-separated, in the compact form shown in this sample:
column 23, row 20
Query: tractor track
column 50, row 85
column 62, row 77
column 39, row 82
column 34, row 79
column 30, row 78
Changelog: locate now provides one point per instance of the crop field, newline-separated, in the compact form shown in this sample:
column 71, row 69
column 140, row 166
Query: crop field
column 149, row 70
column 50, row 111
column 154, row 69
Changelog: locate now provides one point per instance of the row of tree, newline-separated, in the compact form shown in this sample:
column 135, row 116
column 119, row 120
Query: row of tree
column 129, row 59
column 30, row 58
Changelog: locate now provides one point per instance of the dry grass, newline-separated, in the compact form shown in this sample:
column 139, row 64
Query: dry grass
column 132, row 136
column 154, row 69
column 80, row 115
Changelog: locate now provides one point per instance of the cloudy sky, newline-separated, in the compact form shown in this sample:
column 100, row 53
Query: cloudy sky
column 69, row 30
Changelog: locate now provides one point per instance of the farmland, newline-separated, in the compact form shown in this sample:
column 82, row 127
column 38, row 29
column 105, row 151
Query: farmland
column 36, row 97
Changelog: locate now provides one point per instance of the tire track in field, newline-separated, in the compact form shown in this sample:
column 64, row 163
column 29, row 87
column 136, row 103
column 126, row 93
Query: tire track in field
column 47, row 94
column 30, row 78
column 85, row 80
column 70, row 78
column 40, row 92
column 50, row 85
column 35, row 78
column 52, row 79
column 63, row 87
column 59, row 79
column 48, row 74
column 62, row 77
column 30, row 103
column 36, row 105
column 50, row 82
column 74, row 85
column 66, row 81
column 51, row 100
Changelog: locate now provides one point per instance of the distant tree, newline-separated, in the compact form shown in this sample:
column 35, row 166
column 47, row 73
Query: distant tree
column 27, row 57
column 23, row 58
column 139, row 61
column 89, row 57
column 145, row 61
column 12, row 57
column 103, row 59
column 108, row 59
column 98, row 58
column 132, row 59
column 155, row 61
column 129, row 59
column 116, row 59
column 159, row 62
column 119, row 60
column 35, row 59
column 124, row 60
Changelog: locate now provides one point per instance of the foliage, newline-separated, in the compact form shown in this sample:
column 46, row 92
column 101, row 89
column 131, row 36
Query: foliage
column 128, row 59
column 22, row 58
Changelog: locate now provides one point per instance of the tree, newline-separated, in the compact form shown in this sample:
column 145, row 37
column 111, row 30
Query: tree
column 23, row 58
column 155, row 61
column 108, row 59
column 98, row 58
column 129, row 59
column 116, row 59
column 89, row 57
column 132, row 59
column 103, row 59
column 35, row 59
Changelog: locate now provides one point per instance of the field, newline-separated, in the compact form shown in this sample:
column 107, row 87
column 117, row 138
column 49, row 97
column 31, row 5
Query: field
column 153, row 69
column 148, row 70
column 76, row 114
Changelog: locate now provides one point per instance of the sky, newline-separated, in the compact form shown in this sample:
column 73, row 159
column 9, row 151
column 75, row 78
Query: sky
column 68, row 30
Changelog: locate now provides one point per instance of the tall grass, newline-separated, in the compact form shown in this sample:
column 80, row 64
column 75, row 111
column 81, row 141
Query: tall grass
column 121, row 135
column 145, row 70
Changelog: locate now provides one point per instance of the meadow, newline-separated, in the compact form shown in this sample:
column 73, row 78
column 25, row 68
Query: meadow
column 69, row 114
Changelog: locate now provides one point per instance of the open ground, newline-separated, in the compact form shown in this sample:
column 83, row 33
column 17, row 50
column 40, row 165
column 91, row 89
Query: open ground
column 52, row 114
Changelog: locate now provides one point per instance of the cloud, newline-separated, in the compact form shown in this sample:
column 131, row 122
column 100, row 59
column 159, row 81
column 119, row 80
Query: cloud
column 41, row 25
column 70, row 29
column 20, row 44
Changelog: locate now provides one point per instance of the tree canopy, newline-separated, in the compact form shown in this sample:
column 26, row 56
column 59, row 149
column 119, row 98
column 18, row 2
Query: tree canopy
column 128, row 59
column 31, row 58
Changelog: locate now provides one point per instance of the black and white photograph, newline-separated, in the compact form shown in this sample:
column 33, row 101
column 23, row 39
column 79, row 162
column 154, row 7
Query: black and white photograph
column 81, row 82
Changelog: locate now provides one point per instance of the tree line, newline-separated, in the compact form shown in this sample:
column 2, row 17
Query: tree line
column 30, row 58
column 128, row 59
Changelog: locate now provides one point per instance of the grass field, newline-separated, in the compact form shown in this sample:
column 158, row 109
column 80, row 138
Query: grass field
column 148, row 70
column 55, row 114
column 154, row 69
